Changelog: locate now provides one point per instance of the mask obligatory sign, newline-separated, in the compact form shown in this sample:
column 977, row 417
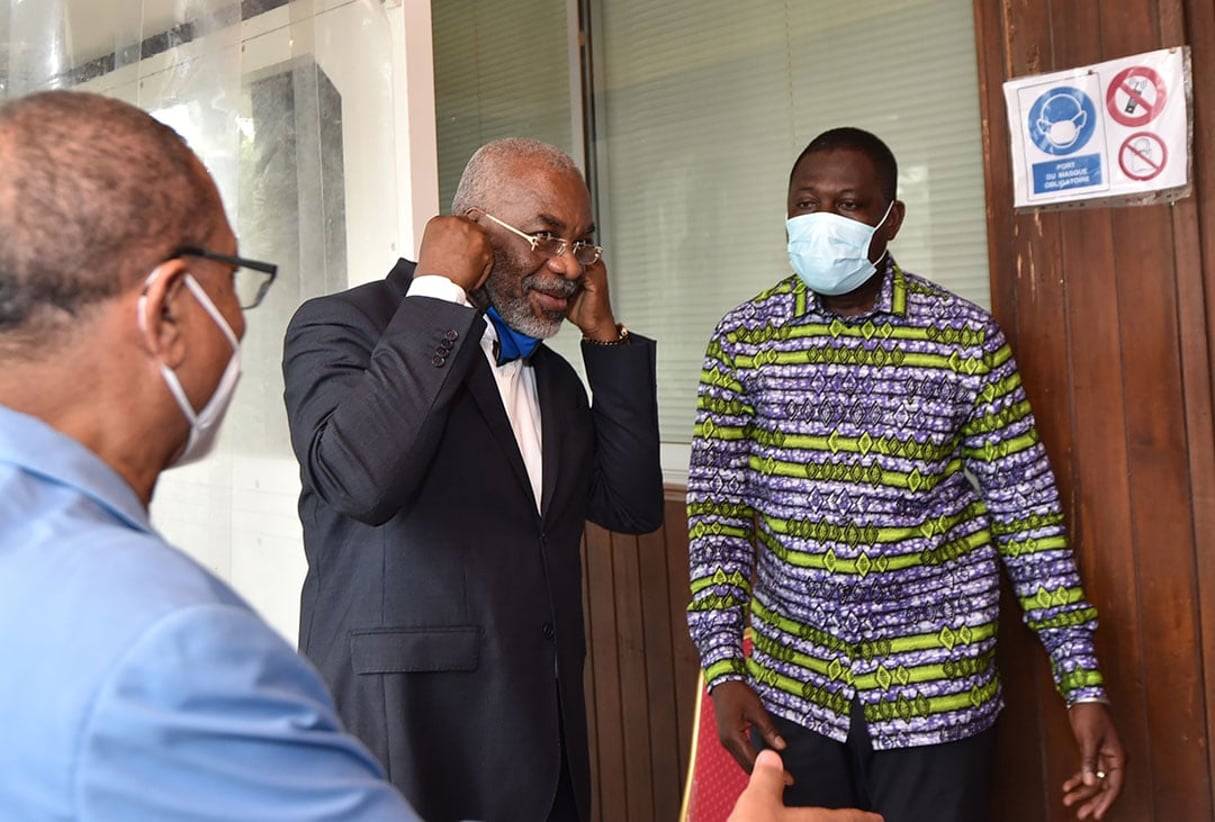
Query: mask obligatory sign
column 1113, row 133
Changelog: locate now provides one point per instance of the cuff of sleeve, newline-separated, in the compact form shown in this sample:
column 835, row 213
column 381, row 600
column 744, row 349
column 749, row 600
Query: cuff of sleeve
column 1087, row 695
column 725, row 670
column 437, row 287
column 721, row 680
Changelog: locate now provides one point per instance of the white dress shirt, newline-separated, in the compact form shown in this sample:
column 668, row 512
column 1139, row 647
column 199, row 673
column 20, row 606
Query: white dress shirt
column 516, row 380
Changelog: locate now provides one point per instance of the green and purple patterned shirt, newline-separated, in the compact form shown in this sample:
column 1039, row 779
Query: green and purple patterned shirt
column 830, row 466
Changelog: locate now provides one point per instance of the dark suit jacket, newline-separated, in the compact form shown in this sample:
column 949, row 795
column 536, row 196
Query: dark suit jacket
column 443, row 610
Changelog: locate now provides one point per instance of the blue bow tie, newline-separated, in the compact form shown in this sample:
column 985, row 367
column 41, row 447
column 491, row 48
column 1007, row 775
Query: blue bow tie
column 512, row 344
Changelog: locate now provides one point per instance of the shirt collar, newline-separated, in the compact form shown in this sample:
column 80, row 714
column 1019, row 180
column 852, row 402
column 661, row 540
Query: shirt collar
column 892, row 299
column 35, row 447
column 489, row 344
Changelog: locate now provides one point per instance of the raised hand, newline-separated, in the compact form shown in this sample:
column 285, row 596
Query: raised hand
column 457, row 248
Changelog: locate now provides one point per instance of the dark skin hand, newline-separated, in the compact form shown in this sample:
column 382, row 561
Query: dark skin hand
column 1093, row 789
column 738, row 709
column 457, row 248
column 591, row 309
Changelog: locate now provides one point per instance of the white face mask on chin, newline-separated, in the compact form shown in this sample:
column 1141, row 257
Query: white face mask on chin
column 204, row 425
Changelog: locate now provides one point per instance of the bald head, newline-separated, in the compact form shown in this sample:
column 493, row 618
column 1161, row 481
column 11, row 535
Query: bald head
column 489, row 172
column 94, row 194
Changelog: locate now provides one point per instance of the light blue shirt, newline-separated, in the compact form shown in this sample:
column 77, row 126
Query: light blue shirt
column 134, row 685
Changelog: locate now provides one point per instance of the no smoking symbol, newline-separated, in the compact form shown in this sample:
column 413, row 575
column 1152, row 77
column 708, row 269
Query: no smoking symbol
column 1135, row 96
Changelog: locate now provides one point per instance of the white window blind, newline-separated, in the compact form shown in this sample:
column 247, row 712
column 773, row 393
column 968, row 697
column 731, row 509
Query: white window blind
column 701, row 108
column 502, row 69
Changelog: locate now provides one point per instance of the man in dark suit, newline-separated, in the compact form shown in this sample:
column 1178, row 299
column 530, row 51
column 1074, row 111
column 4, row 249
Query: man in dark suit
column 446, row 486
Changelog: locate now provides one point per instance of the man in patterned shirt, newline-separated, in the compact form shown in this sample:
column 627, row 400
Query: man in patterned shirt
column 840, row 413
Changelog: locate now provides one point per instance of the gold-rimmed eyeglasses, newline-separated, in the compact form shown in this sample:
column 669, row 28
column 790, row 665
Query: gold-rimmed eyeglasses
column 550, row 245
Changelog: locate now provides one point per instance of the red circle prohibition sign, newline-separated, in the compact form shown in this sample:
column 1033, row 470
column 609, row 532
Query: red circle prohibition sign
column 1151, row 166
column 1132, row 82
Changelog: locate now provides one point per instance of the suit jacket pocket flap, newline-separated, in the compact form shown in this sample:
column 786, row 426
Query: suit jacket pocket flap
column 414, row 650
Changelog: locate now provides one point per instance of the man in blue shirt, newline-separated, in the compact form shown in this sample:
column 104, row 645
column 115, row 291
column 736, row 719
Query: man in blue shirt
column 135, row 684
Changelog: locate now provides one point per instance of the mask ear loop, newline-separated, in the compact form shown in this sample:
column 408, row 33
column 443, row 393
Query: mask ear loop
column 889, row 208
column 199, row 294
column 170, row 378
column 205, row 301
column 174, row 385
column 141, row 307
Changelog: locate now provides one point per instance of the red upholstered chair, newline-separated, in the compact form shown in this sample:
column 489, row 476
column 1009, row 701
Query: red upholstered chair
column 714, row 779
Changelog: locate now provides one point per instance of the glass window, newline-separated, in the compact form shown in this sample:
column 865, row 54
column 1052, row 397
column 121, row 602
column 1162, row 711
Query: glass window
column 702, row 107
column 699, row 109
column 296, row 126
column 502, row 69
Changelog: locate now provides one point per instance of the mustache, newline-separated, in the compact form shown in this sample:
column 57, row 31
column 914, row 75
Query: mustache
column 553, row 286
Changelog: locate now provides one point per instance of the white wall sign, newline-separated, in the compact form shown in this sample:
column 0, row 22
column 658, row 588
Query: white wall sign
column 1114, row 133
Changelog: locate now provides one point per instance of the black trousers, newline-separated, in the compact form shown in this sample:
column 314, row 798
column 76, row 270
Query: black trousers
column 950, row 782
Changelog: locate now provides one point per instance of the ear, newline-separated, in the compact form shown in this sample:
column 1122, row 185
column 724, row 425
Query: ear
column 159, row 307
column 895, row 221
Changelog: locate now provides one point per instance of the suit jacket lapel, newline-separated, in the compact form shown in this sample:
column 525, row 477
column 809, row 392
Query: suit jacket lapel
column 485, row 391
column 551, row 428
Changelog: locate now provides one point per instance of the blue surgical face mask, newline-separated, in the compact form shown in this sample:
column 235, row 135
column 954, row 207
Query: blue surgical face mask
column 831, row 253
column 512, row 344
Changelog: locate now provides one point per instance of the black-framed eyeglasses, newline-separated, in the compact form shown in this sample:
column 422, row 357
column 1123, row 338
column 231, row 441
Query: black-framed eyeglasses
column 251, row 279
column 544, row 243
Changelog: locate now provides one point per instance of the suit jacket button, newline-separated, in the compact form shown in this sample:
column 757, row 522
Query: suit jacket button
column 549, row 631
column 438, row 361
column 452, row 334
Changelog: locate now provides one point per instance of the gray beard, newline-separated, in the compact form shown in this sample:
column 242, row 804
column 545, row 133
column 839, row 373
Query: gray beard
column 517, row 312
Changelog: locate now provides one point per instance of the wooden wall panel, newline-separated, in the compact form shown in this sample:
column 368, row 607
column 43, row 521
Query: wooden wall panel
column 641, row 667
column 603, row 677
column 661, row 677
column 687, row 661
column 1108, row 313
column 1030, row 299
column 1164, row 544
column 1022, row 791
column 634, row 698
column 1194, row 232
